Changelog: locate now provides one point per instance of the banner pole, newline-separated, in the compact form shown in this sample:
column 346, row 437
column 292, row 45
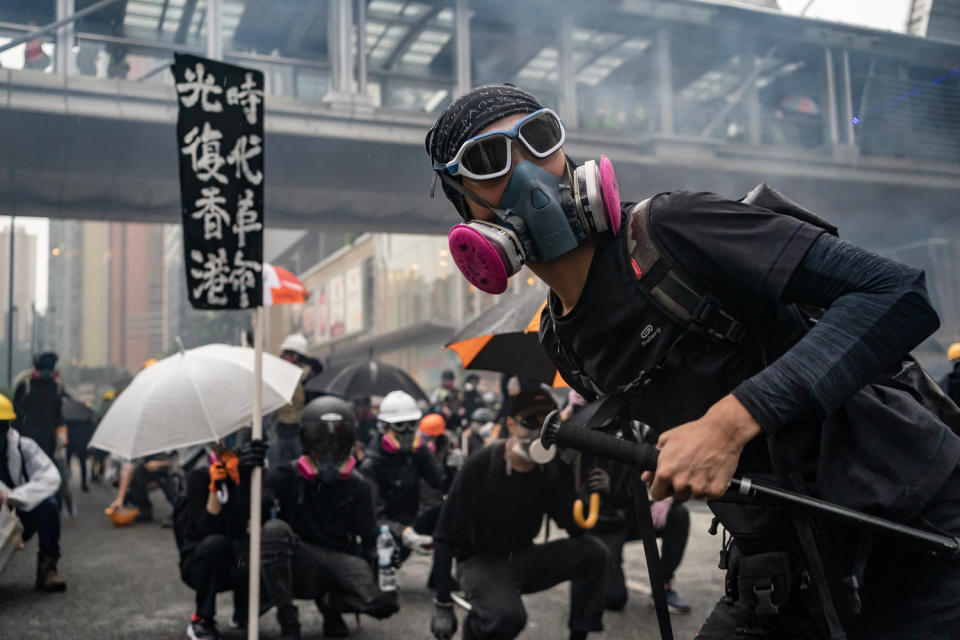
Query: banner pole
column 256, row 479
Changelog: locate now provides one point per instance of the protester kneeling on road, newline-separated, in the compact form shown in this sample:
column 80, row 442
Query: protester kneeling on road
column 394, row 465
column 29, row 482
column 618, row 524
column 210, row 525
column 319, row 506
column 137, row 478
column 490, row 518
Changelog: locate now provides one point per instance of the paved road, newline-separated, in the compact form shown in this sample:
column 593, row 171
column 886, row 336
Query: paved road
column 124, row 583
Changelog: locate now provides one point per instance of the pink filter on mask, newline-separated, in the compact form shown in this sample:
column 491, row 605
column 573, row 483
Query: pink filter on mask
column 611, row 193
column 477, row 259
column 347, row 467
column 389, row 444
column 306, row 469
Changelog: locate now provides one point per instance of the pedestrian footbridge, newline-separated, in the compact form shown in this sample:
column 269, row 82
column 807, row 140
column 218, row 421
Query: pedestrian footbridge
column 858, row 125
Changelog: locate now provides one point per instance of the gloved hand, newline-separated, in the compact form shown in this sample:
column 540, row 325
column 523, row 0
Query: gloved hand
column 455, row 458
column 659, row 511
column 252, row 454
column 218, row 475
column 598, row 481
column 443, row 623
column 418, row 543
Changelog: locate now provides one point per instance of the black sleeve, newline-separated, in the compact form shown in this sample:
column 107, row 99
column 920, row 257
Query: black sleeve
column 560, row 508
column 442, row 562
column 368, row 471
column 740, row 253
column 364, row 521
column 877, row 310
column 430, row 469
column 454, row 525
column 201, row 523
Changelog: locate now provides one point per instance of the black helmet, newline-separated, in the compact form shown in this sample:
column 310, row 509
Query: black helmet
column 328, row 426
column 483, row 415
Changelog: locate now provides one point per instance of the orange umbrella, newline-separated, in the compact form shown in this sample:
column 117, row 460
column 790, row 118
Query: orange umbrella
column 504, row 338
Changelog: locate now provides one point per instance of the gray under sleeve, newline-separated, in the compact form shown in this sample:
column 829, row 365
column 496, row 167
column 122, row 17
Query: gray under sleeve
column 877, row 310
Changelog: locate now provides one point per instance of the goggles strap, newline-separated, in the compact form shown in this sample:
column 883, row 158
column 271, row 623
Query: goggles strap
column 459, row 188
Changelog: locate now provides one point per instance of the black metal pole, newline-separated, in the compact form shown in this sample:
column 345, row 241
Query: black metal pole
column 10, row 313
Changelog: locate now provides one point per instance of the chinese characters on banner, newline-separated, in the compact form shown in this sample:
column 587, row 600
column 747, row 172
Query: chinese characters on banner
column 220, row 142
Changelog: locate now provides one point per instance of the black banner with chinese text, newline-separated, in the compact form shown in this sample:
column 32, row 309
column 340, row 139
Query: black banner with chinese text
column 220, row 142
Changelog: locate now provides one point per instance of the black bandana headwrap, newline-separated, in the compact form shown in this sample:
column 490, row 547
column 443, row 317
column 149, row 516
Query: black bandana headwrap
column 467, row 115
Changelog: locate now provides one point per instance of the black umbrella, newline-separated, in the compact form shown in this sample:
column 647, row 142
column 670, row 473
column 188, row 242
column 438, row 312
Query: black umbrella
column 73, row 411
column 366, row 378
column 504, row 338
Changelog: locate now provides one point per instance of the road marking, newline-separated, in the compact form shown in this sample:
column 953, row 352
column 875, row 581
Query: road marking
column 633, row 585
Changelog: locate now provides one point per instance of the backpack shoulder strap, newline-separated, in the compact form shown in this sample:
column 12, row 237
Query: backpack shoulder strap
column 675, row 293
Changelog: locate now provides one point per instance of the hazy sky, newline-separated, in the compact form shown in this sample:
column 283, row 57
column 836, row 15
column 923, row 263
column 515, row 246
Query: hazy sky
column 878, row 14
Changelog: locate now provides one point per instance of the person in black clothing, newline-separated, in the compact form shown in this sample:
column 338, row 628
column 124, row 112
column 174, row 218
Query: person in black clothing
column 489, row 520
column 696, row 308
column 394, row 465
column 618, row 524
column 38, row 401
column 472, row 398
column 210, row 525
column 481, row 430
column 322, row 508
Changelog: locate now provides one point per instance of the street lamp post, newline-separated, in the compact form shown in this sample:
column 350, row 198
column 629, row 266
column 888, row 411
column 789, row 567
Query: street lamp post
column 10, row 313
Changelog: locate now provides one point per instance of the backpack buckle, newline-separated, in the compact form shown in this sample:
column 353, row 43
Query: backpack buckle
column 765, row 606
column 703, row 311
column 736, row 332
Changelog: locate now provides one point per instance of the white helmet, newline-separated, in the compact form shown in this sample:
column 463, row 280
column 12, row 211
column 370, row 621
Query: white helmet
column 296, row 343
column 399, row 406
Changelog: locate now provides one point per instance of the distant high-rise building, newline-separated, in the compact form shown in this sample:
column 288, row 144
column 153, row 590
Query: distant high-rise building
column 174, row 285
column 24, row 285
column 96, row 295
column 136, row 278
column 64, row 324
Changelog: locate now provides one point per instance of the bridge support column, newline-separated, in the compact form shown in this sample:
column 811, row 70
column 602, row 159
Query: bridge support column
column 64, row 64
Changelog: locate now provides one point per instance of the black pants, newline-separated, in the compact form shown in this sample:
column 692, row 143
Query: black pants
column 292, row 569
column 81, row 454
column 674, row 534
column 494, row 583
column 140, row 487
column 214, row 565
column 44, row 520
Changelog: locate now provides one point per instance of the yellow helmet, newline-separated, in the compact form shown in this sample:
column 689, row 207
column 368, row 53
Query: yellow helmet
column 149, row 363
column 6, row 409
column 109, row 395
column 953, row 353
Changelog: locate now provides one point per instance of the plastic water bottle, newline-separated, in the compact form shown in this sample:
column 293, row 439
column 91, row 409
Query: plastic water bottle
column 385, row 548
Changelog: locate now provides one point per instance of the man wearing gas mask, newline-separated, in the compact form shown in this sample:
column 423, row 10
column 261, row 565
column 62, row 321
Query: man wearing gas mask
column 319, row 508
column 494, row 510
column 394, row 465
column 698, row 308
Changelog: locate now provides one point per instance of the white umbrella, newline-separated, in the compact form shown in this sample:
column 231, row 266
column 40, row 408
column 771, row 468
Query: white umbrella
column 195, row 396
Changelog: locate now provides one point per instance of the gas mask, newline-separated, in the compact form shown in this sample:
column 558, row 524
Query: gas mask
column 528, row 446
column 401, row 437
column 540, row 217
column 325, row 471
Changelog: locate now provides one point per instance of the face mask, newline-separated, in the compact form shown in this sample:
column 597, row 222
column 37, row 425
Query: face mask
column 326, row 472
column 396, row 442
column 541, row 217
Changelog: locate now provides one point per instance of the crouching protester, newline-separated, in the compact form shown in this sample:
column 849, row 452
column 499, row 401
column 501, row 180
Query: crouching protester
column 29, row 482
column 320, row 508
column 753, row 341
column 394, row 465
column 210, row 525
column 489, row 520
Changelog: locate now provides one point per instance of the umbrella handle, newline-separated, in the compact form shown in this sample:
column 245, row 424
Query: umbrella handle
column 594, row 515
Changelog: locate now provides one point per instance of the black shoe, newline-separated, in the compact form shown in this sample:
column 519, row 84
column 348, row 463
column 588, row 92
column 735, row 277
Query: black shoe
column 201, row 629
column 334, row 626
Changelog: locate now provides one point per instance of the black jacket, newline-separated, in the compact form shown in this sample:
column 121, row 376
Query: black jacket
column 395, row 479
